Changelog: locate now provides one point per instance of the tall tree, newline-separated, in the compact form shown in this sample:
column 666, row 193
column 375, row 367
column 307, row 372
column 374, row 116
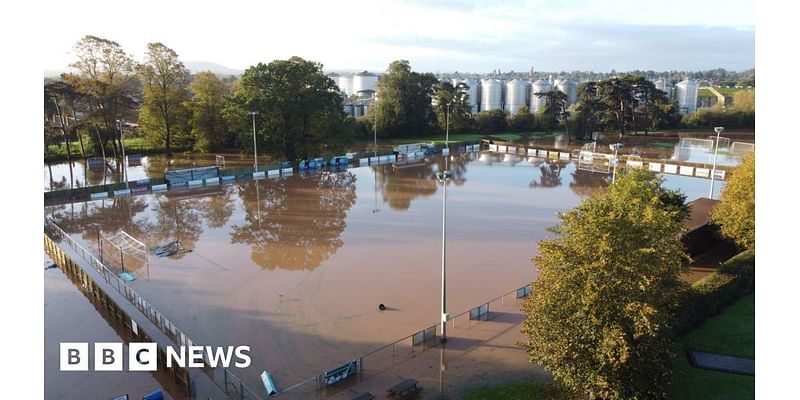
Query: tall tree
column 404, row 105
column 588, row 111
column 736, row 211
column 600, row 311
column 456, row 100
column 300, row 113
column 554, row 109
column 166, row 82
column 106, row 80
column 206, row 106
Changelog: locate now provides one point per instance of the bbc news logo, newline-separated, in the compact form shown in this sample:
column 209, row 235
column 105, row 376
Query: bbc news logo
column 143, row 356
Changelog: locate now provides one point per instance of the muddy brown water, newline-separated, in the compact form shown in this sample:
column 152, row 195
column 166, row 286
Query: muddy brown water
column 295, row 267
column 70, row 316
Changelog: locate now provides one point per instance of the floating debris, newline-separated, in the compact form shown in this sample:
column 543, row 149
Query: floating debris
column 169, row 249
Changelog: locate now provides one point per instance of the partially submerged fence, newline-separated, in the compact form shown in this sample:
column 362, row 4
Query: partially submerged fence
column 221, row 377
column 382, row 359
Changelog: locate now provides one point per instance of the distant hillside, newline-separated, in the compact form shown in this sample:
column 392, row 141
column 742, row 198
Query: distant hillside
column 200, row 66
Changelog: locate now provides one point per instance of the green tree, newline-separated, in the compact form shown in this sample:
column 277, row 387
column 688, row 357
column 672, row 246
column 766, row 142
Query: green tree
column 457, row 98
column 166, row 82
column 554, row 109
column 106, row 81
column 208, row 125
column 404, row 105
column 523, row 121
column 493, row 121
column 736, row 211
column 600, row 312
column 300, row 112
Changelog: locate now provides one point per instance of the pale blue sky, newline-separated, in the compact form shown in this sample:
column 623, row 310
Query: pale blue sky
column 444, row 35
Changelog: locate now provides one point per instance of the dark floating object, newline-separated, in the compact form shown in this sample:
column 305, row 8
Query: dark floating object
column 168, row 249
column 51, row 265
column 381, row 307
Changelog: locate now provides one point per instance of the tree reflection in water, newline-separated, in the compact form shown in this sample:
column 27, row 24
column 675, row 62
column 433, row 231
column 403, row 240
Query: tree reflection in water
column 550, row 175
column 295, row 223
column 403, row 182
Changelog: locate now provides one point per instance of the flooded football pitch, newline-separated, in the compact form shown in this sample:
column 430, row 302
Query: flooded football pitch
column 296, row 266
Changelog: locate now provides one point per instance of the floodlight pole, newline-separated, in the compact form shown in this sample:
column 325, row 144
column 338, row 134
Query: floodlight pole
column 255, row 146
column 616, row 147
column 443, row 178
column 120, row 122
column 719, row 130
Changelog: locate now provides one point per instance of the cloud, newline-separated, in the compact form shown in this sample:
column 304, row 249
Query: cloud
column 586, row 47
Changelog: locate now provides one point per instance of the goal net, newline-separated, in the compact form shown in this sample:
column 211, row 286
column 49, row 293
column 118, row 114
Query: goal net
column 125, row 254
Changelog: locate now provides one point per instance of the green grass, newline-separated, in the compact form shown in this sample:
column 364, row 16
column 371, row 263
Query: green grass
column 459, row 137
column 731, row 332
column 517, row 391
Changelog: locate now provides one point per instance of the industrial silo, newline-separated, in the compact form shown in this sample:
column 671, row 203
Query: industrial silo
column 537, row 102
column 516, row 91
column 346, row 83
column 686, row 94
column 473, row 91
column 569, row 88
column 491, row 95
column 664, row 86
column 364, row 81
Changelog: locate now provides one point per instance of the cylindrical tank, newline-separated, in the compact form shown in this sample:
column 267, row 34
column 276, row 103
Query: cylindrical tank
column 537, row 102
column 491, row 95
column 664, row 86
column 686, row 94
column 515, row 95
column 364, row 81
column 473, row 91
column 569, row 88
column 346, row 84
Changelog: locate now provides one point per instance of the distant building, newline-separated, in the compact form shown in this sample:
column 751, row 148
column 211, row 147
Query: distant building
column 686, row 95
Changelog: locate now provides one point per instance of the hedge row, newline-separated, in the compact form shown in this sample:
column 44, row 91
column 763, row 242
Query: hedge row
column 707, row 297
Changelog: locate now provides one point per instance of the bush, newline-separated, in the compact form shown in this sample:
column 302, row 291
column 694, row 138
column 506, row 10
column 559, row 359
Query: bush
column 707, row 297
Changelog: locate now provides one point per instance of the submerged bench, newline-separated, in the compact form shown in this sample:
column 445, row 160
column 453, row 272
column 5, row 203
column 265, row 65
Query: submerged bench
column 404, row 389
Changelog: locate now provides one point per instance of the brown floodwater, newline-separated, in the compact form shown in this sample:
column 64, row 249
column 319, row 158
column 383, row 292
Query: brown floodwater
column 70, row 316
column 295, row 267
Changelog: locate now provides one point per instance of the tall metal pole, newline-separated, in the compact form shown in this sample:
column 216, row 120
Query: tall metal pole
column 719, row 130
column 447, row 139
column 614, row 177
column 444, row 258
column 255, row 146
column 375, row 134
column 120, row 122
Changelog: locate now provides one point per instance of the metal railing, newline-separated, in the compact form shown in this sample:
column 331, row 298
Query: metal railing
column 236, row 386
column 379, row 360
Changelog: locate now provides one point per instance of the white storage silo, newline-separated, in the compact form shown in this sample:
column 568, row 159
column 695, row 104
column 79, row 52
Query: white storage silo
column 686, row 94
column 473, row 91
column 569, row 88
column 516, row 91
column 537, row 102
column 364, row 81
column 491, row 95
column 346, row 83
column 664, row 86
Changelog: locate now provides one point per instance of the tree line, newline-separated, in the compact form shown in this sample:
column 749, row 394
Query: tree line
column 295, row 111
